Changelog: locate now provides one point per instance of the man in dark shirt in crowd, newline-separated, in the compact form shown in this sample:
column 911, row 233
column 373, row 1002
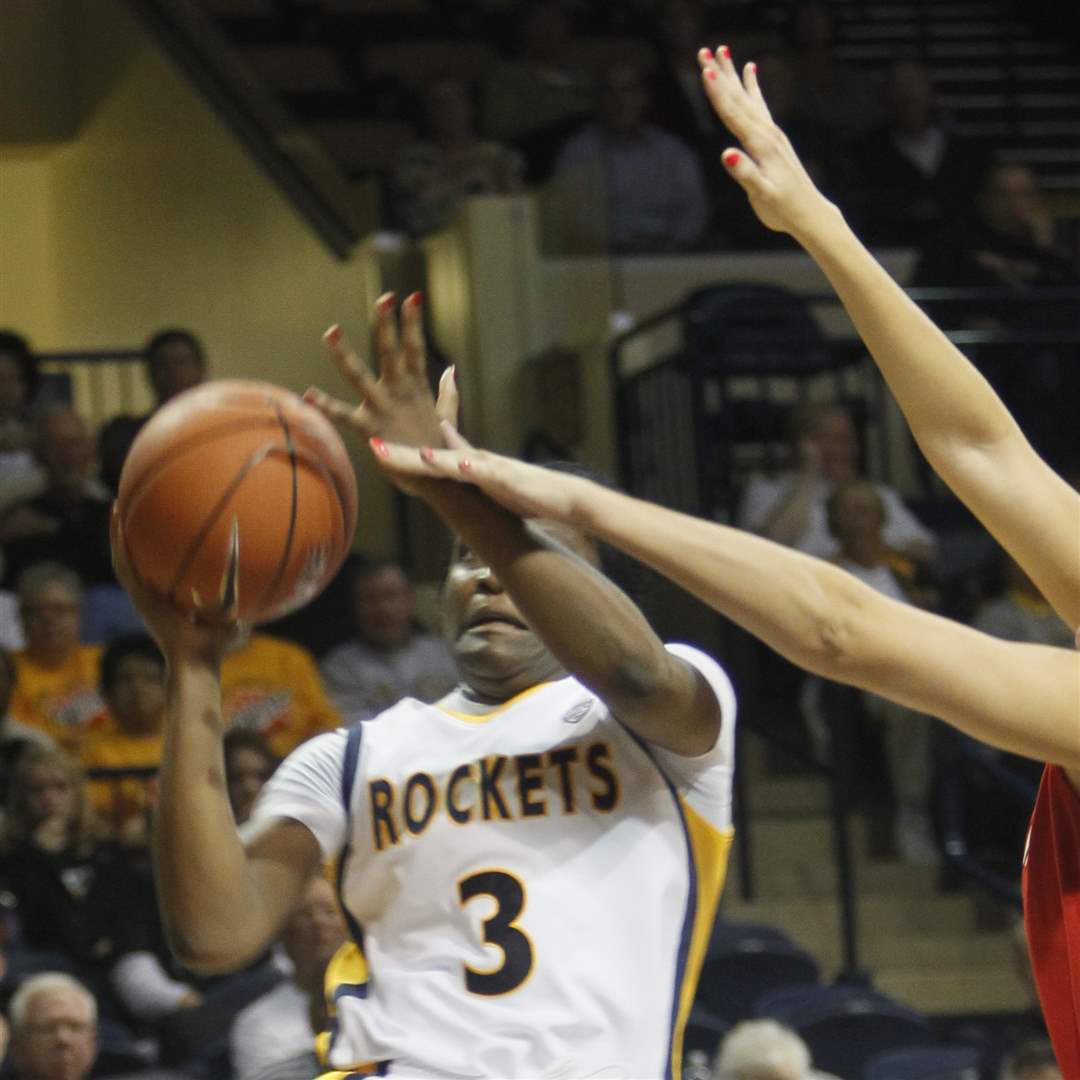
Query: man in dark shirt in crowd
column 69, row 521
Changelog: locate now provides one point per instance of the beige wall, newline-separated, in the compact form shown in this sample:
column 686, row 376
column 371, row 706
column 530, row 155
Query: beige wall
column 152, row 214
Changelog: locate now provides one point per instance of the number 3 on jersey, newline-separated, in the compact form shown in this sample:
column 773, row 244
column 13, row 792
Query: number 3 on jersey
column 499, row 930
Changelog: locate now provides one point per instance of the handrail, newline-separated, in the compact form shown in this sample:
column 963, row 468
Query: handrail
column 921, row 294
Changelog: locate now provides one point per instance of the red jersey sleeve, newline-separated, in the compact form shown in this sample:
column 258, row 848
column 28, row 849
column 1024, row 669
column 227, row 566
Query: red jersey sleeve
column 1051, row 885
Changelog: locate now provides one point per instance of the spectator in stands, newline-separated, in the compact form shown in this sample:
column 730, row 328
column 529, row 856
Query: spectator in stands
column 56, row 688
column 679, row 104
column 388, row 658
column 53, row 1028
column 174, row 361
column 449, row 163
column 15, row 738
column 1009, row 242
column 916, row 176
column 20, row 473
column 791, row 507
column 274, row 687
column 536, row 99
column 856, row 517
column 249, row 763
column 130, row 736
column 1033, row 1061
column 764, row 1050
column 644, row 183
column 79, row 902
column 281, row 1026
column 68, row 522
column 833, row 94
column 1020, row 612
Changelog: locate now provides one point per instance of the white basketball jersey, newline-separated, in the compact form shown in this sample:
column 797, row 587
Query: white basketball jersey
column 533, row 888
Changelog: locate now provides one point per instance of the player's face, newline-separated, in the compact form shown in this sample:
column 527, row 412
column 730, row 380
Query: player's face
column 497, row 653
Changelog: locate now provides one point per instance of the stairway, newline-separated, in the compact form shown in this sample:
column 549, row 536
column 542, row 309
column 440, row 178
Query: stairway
column 923, row 947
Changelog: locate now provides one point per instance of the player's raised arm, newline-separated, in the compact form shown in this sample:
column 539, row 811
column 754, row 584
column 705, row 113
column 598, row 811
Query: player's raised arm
column 1022, row 698
column 222, row 905
column 592, row 629
column 963, row 428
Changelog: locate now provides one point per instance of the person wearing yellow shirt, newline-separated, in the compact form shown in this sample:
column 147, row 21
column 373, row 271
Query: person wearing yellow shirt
column 130, row 735
column 56, row 677
column 273, row 686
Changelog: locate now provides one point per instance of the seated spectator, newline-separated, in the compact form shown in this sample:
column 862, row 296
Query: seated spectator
column 173, row 361
column 54, row 1022
column 536, row 99
column 388, row 658
column 273, row 687
column 282, row 1025
column 15, row 738
column 834, row 95
column 69, row 521
column 643, row 185
column 1021, row 613
column 1009, row 242
column 791, row 507
column 856, row 517
column 916, row 176
column 679, row 102
column 78, row 901
column 21, row 475
column 249, row 763
column 56, row 688
column 764, row 1050
column 433, row 175
column 131, row 735
column 1033, row 1061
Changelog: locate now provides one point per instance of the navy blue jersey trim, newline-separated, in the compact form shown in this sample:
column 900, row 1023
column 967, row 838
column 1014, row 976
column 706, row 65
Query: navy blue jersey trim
column 691, row 904
column 348, row 779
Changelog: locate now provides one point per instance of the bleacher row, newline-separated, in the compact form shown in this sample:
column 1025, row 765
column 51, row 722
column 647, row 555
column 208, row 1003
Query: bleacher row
column 999, row 78
column 755, row 971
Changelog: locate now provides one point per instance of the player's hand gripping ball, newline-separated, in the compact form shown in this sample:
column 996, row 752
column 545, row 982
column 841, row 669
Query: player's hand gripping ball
column 237, row 501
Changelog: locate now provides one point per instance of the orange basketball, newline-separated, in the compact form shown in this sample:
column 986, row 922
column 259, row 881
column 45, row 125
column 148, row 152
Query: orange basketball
column 239, row 498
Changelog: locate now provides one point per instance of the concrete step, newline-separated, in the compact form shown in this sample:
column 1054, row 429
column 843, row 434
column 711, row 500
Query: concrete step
column 818, row 917
column 958, row 990
column 815, row 876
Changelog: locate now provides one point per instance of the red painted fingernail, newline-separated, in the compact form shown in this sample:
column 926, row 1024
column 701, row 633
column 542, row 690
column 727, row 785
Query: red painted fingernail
column 333, row 335
column 378, row 446
column 416, row 299
column 453, row 374
column 710, row 73
column 725, row 52
column 753, row 67
column 465, row 464
column 385, row 303
column 427, row 453
column 707, row 53
column 731, row 158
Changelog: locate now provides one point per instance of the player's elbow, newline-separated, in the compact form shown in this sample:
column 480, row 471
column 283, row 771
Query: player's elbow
column 835, row 645
column 206, row 957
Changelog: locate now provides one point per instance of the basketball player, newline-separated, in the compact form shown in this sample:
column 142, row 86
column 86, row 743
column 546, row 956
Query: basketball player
column 532, row 865
column 1021, row 698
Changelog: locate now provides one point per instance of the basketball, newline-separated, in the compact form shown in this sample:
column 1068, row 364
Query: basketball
column 237, row 499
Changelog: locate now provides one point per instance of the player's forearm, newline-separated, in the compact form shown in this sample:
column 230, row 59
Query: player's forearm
column 590, row 626
column 210, row 913
column 950, row 407
column 800, row 606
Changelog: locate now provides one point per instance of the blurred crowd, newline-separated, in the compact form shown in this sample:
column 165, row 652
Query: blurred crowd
column 635, row 129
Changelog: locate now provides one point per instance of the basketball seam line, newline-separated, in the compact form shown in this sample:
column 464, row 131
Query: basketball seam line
column 275, row 582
